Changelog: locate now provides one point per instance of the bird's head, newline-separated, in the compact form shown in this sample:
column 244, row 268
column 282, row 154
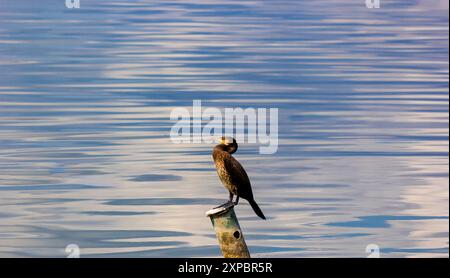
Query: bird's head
column 228, row 144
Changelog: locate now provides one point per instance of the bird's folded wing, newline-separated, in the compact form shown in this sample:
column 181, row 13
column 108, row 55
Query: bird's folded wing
column 238, row 176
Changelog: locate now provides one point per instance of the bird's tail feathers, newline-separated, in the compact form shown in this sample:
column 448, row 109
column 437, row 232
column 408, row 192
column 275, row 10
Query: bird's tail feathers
column 256, row 209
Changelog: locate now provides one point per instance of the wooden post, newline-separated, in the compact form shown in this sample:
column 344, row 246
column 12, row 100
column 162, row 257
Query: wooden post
column 228, row 232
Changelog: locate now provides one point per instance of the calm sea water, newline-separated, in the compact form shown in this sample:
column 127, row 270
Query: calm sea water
column 86, row 96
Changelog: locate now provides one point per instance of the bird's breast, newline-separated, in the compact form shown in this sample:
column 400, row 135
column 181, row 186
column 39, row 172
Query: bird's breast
column 224, row 176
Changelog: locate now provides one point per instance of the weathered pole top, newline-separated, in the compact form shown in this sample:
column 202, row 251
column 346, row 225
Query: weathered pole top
column 219, row 210
column 228, row 232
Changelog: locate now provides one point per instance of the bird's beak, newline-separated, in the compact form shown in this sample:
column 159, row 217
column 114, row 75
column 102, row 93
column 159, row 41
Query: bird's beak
column 222, row 140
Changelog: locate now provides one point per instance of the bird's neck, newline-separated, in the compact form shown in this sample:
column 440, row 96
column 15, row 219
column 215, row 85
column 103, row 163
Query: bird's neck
column 231, row 148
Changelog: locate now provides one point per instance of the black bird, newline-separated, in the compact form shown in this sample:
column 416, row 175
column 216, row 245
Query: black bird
column 232, row 174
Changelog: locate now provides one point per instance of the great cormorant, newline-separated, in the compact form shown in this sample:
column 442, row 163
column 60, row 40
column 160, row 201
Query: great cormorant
column 232, row 174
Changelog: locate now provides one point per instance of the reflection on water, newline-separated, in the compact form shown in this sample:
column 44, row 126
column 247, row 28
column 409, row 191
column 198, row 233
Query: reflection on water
column 85, row 100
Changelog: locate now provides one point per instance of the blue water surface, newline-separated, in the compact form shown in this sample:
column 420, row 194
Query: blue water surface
column 85, row 102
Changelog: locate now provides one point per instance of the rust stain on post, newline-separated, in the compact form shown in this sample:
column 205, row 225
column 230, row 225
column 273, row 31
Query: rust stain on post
column 228, row 232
